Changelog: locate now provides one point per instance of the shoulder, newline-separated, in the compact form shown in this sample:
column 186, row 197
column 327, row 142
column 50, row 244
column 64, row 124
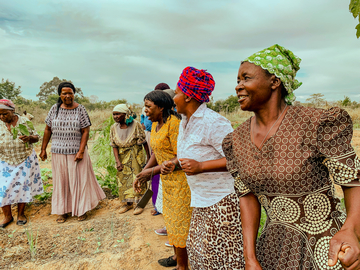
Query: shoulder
column 53, row 108
column 81, row 108
column 213, row 117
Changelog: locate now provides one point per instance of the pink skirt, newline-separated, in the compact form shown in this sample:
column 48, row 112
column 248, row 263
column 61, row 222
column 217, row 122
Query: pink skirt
column 75, row 188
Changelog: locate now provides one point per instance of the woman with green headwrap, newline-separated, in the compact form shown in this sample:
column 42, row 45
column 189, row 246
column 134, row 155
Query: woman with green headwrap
column 283, row 158
column 127, row 138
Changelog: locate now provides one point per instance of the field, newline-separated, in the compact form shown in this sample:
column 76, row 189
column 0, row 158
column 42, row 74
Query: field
column 106, row 240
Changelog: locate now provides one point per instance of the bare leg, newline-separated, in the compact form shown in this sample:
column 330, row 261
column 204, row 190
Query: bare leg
column 174, row 257
column 7, row 213
column 182, row 259
column 21, row 209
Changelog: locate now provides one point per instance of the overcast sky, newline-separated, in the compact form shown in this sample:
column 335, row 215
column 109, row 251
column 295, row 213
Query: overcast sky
column 122, row 49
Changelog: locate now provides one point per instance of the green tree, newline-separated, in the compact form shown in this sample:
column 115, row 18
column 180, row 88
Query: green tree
column 354, row 8
column 8, row 90
column 316, row 99
column 50, row 88
column 346, row 102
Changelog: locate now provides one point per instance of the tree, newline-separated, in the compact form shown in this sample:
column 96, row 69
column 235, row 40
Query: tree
column 354, row 8
column 316, row 100
column 8, row 90
column 346, row 102
column 50, row 88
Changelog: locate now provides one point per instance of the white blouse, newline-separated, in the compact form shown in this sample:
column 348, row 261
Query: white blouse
column 201, row 139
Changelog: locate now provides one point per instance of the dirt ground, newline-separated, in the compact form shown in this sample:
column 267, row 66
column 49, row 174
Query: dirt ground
column 106, row 240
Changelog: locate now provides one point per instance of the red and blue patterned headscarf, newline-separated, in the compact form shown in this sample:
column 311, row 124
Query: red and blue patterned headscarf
column 196, row 83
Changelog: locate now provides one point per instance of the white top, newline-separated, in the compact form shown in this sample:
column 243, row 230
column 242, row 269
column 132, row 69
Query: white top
column 201, row 139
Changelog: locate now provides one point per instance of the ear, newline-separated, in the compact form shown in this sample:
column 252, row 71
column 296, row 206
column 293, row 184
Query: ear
column 275, row 82
column 187, row 98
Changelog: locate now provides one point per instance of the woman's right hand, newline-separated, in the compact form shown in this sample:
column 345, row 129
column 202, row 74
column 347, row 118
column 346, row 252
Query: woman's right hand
column 141, row 178
column 43, row 155
column 119, row 166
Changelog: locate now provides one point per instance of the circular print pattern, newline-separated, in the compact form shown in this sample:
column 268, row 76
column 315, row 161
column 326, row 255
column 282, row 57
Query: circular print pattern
column 321, row 254
column 285, row 209
column 317, row 207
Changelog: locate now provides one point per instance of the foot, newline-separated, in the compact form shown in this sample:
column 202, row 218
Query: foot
column 6, row 221
column 138, row 210
column 125, row 208
column 61, row 218
column 161, row 231
column 83, row 217
column 167, row 262
column 21, row 220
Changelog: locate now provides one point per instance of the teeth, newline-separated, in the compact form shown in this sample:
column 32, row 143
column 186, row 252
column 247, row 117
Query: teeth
column 242, row 96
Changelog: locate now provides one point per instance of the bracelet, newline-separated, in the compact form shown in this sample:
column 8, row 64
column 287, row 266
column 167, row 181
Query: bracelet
column 176, row 166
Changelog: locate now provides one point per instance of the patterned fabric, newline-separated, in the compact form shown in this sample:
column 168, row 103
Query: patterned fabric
column 196, row 83
column 20, row 183
column 15, row 151
column 176, row 191
column 200, row 138
column 131, row 155
column 290, row 175
column 281, row 62
column 215, row 238
column 159, row 198
column 66, row 129
column 7, row 104
column 124, row 108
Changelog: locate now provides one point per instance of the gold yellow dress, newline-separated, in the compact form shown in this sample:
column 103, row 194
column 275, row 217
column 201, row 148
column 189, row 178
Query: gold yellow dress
column 132, row 155
column 176, row 191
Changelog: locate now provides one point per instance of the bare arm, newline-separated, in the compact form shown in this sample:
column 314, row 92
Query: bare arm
column 119, row 165
column 250, row 220
column 45, row 142
column 192, row 167
column 147, row 150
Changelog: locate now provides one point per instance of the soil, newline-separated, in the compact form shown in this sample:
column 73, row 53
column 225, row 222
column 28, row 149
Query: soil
column 105, row 240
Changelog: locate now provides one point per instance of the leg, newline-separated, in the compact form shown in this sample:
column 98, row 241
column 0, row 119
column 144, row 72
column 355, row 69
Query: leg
column 182, row 259
column 21, row 209
column 7, row 213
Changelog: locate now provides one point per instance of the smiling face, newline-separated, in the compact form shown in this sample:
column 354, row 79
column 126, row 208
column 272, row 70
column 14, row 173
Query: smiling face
column 119, row 117
column 254, row 87
column 6, row 115
column 152, row 111
column 180, row 101
column 67, row 96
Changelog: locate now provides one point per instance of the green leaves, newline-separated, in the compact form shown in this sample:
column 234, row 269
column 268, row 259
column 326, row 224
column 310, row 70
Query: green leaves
column 23, row 129
column 30, row 125
column 354, row 8
column 15, row 132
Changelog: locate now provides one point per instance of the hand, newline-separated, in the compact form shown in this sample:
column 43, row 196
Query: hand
column 252, row 265
column 142, row 178
column 190, row 166
column 79, row 156
column 167, row 167
column 119, row 166
column 345, row 247
column 25, row 139
column 43, row 155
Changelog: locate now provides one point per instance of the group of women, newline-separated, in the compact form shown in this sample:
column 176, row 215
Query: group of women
column 215, row 180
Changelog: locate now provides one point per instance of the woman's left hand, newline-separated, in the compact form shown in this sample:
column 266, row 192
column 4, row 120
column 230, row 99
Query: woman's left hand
column 141, row 178
column 190, row 166
column 25, row 139
column 167, row 167
column 79, row 156
column 345, row 247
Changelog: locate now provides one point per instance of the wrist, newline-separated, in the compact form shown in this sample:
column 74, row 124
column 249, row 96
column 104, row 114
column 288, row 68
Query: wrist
column 353, row 227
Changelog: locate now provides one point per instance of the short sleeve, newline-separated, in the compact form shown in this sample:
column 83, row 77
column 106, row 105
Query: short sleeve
column 240, row 188
column 174, row 132
column 140, row 134
column 218, row 131
column 112, row 136
column 50, row 116
column 334, row 137
column 84, row 118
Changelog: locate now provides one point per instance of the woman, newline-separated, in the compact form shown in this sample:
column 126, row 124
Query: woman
column 215, row 237
column 20, row 177
column 75, row 188
column 127, row 139
column 282, row 158
column 176, row 192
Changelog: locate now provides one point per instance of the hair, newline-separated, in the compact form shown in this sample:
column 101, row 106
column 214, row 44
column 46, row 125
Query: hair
column 162, row 86
column 163, row 100
column 60, row 87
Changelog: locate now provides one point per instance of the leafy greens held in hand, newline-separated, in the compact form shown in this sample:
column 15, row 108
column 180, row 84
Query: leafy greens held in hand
column 23, row 130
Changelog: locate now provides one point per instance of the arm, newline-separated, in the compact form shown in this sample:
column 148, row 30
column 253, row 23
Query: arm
column 345, row 243
column 30, row 139
column 250, row 220
column 84, row 139
column 119, row 165
column 151, row 168
column 147, row 150
column 45, row 142
column 192, row 167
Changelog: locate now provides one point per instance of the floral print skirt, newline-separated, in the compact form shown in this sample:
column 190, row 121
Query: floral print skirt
column 20, row 183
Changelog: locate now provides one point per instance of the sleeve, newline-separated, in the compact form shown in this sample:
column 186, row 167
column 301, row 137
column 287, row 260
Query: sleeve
column 112, row 136
column 174, row 132
column 217, row 132
column 142, row 119
column 334, row 135
column 50, row 116
column 84, row 118
column 140, row 134
column 240, row 188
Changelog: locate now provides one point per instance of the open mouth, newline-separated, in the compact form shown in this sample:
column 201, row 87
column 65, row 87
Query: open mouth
column 241, row 98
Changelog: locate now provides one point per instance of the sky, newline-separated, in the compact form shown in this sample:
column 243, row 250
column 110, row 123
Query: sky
column 117, row 49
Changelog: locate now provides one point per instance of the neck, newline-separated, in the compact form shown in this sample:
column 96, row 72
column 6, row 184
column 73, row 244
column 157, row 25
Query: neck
column 191, row 109
column 269, row 113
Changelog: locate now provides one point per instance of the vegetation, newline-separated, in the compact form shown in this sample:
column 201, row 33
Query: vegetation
column 354, row 8
column 46, row 176
column 8, row 90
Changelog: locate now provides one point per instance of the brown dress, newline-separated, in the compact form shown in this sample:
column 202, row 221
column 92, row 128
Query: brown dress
column 290, row 175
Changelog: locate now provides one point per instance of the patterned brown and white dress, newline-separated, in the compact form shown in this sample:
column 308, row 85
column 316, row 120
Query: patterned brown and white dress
column 290, row 175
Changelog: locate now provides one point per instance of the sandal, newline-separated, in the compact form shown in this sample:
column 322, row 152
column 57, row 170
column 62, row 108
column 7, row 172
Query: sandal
column 21, row 222
column 61, row 218
column 155, row 212
column 125, row 208
column 83, row 217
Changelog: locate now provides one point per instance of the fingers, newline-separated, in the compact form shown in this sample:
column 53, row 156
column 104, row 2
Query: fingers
column 349, row 257
column 334, row 249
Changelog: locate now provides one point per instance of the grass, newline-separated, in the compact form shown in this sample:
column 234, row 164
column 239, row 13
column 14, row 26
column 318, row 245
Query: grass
column 32, row 240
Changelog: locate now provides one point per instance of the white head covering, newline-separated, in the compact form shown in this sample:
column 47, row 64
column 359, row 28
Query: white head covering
column 122, row 108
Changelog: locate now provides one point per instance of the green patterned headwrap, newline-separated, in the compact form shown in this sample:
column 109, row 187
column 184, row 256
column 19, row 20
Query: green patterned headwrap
column 282, row 63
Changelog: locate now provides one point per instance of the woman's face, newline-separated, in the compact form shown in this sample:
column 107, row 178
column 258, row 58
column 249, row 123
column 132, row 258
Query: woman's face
column 179, row 100
column 153, row 112
column 254, row 87
column 119, row 117
column 6, row 115
column 67, row 95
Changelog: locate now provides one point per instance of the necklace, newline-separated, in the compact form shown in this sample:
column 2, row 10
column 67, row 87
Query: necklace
column 270, row 128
